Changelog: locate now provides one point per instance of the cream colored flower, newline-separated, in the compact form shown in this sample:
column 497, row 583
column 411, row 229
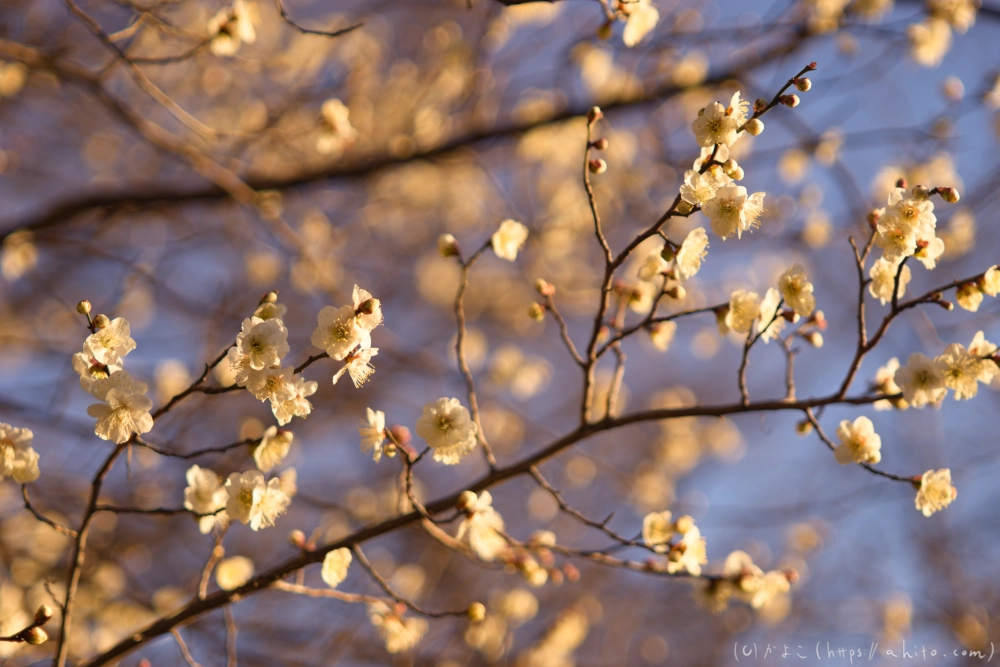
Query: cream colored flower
column 509, row 239
column 733, row 211
column 230, row 28
column 447, row 427
column 657, row 529
column 929, row 251
column 232, row 573
column 298, row 405
column 929, row 41
column 982, row 349
column 859, row 443
column 358, row 366
column 367, row 308
column 747, row 579
column 916, row 213
column 482, row 524
column 110, row 344
column 715, row 124
column 335, row 565
column 372, row 433
column 400, row 634
column 264, row 343
column 773, row 584
column 922, row 381
column 336, row 132
column 654, row 266
column 254, row 502
column 961, row 371
column 338, row 331
column 969, row 296
column 897, row 237
column 693, row 250
column 689, row 554
column 797, row 291
column 699, row 188
column 90, row 369
column 122, row 414
column 770, row 316
column 642, row 18
column 989, row 284
column 661, row 334
column 885, row 383
column 272, row 384
column 883, row 275
column 206, row 494
column 744, row 308
column 18, row 460
column 960, row 14
column 935, row 492
column 273, row 448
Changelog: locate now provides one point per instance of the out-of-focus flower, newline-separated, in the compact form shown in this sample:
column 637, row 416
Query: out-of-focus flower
column 935, row 491
column 447, row 427
column 509, row 239
column 859, row 443
column 18, row 460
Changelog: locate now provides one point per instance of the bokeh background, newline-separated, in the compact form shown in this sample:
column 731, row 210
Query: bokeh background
column 464, row 115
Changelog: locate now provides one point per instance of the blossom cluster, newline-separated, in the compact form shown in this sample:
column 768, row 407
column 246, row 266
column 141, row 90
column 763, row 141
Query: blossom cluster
column 794, row 290
column 686, row 553
column 345, row 335
column 743, row 580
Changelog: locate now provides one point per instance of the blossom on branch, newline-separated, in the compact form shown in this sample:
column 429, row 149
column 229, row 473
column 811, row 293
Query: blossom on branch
column 18, row 460
column 922, row 380
column 112, row 342
column 935, row 491
column 206, row 494
column 273, row 448
column 733, row 211
column 372, row 432
column 509, row 239
column 482, row 524
column 859, row 443
column 797, row 291
column 447, row 427
column 744, row 308
column 254, row 502
column 125, row 409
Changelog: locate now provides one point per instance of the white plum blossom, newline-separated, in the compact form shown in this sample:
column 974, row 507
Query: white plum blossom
column 298, row 405
column 335, row 565
column 90, row 369
column 797, row 291
column 509, row 239
column 358, row 366
column 897, row 237
column 254, row 502
column 274, row 384
column 657, row 529
column 883, row 275
column 733, row 211
column 689, row 554
column 372, row 432
column 885, row 383
column 961, row 371
column 699, row 188
column 917, row 213
column 109, row 344
column 935, row 492
column 859, row 443
column 661, row 334
column 921, row 380
column 339, row 332
column 642, row 18
column 482, row 524
column 18, row 460
column 691, row 253
column 929, row 251
column 264, row 343
column 230, row 28
column 206, row 494
column 744, row 307
column 447, row 427
column 770, row 316
column 273, row 448
column 125, row 409
column 654, row 266
column 982, row 349
column 969, row 296
column 367, row 308
column 929, row 41
column 717, row 124
column 990, row 282
column 400, row 634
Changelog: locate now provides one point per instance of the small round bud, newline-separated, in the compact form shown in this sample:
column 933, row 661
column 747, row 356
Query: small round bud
column 803, row 85
column 791, row 574
column 790, row 101
column 544, row 287
column 901, row 183
column 677, row 292
column 557, row 577
column 921, row 192
column 738, row 175
column 270, row 297
column 101, row 321
column 465, row 500
column 476, row 612
column 950, row 195
column 729, row 166
column 36, row 636
column 814, row 338
column 683, row 524
column 818, row 318
column 297, row 539
column 597, row 166
column 595, row 114
column 812, row 65
column 601, row 144
column 572, row 572
column 755, row 126
column 873, row 217
column 401, row 434
column 447, row 245
column 804, row 427
column 759, row 105
column 389, row 449
column 536, row 311
column 789, row 315
column 43, row 614
column 83, row 307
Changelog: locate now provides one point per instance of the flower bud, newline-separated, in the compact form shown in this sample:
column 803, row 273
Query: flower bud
column 804, row 427
column 729, row 166
column 677, row 292
column 759, row 105
column 597, row 166
column 790, row 101
column 921, row 192
column 101, row 321
column 536, row 311
column 814, row 338
column 950, row 195
column 270, row 297
column 683, row 524
column 901, row 183
column 755, row 126
column 601, row 144
column 43, row 614
column 544, row 287
column 572, row 572
column 83, row 307
column 595, row 114
column 476, row 612
column 389, row 449
column 873, row 217
column 803, row 85
column 401, row 434
column 791, row 574
column 557, row 577
column 738, row 174
column 36, row 636
column 818, row 318
column 465, row 500
column 447, row 245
